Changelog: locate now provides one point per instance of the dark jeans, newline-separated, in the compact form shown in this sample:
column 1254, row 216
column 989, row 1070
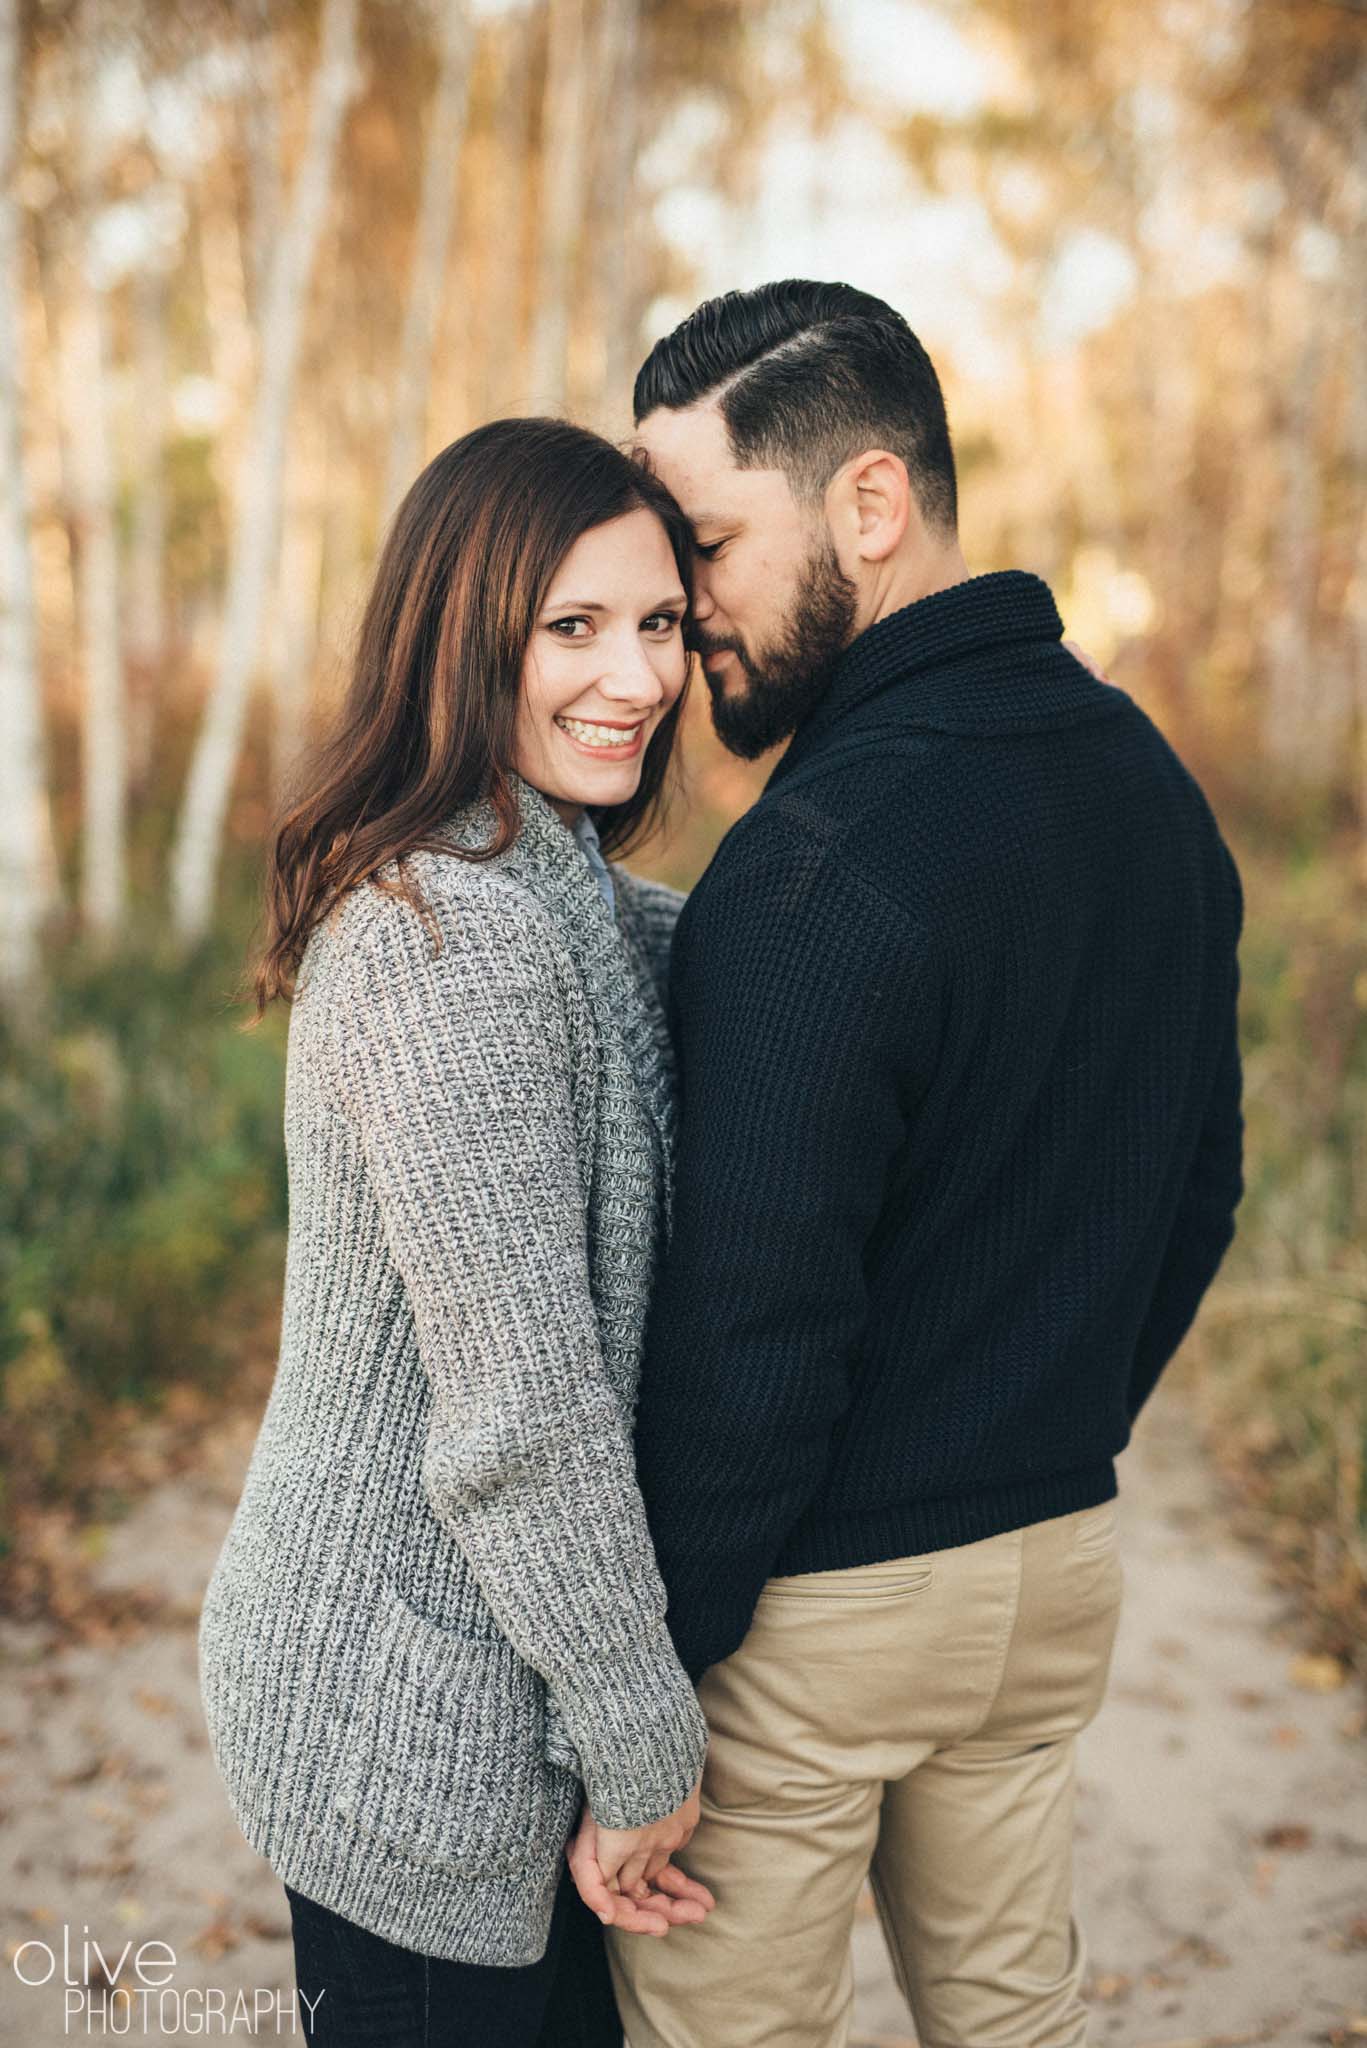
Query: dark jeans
column 375, row 1992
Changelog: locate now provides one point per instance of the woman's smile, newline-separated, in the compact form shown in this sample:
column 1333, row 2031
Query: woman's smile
column 604, row 736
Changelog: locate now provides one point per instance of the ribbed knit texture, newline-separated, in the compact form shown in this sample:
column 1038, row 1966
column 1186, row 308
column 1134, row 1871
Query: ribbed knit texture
column 437, row 1604
column 955, row 1009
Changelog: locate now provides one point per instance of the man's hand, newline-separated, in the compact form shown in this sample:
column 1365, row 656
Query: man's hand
column 625, row 1875
column 1086, row 660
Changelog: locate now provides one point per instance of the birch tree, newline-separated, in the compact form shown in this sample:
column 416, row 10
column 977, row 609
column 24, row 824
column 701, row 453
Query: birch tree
column 147, row 549
column 256, row 528
column 23, row 796
column 431, row 242
column 293, row 630
column 85, row 352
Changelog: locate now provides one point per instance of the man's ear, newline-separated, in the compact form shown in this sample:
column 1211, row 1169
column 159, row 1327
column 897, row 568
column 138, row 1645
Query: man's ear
column 869, row 505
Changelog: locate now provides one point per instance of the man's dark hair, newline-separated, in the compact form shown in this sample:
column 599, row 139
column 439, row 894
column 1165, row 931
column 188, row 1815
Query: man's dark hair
column 806, row 376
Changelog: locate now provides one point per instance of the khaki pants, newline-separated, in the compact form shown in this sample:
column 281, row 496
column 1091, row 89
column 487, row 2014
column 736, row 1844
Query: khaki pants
column 913, row 1722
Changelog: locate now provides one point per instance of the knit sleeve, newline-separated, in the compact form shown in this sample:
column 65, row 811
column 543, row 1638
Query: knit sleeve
column 1203, row 1228
column 457, row 1070
column 785, row 966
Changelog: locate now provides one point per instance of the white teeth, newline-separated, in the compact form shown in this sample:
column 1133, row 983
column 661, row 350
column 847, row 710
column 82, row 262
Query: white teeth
column 607, row 736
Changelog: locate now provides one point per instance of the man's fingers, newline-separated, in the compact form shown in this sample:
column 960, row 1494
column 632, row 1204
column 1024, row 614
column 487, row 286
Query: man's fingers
column 679, row 1885
column 631, row 1876
column 653, row 1916
column 678, row 1912
column 634, row 1919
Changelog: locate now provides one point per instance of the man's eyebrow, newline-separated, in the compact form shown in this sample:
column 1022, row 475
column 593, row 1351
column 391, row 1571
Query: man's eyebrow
column 710, row 519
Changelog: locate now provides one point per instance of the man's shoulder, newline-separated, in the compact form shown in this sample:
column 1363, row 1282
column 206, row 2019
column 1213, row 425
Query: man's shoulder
column 812, row 855
column 838, row 810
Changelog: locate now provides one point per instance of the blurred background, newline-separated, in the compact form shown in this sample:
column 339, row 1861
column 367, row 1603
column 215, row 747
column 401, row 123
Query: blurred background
column 259, row 261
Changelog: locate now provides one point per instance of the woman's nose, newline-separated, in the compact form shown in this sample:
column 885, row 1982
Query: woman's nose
column 632, row 677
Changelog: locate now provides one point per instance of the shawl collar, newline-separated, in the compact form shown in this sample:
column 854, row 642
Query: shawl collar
column 547, row 860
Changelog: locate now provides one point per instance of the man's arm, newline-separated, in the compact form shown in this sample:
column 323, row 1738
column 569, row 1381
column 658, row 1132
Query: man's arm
column 794, row 988
column 1203, row 1228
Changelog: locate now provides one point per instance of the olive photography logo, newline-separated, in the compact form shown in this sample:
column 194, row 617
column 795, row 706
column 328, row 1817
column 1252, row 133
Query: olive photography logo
column 132, row 1991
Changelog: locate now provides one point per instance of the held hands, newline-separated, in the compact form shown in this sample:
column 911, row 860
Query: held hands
column 625, row 1875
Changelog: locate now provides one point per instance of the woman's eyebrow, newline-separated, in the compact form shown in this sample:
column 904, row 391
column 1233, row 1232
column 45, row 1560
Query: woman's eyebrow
column 586, row 604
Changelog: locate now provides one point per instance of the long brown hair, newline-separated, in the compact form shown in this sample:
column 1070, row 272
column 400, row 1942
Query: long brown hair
column 430, row 713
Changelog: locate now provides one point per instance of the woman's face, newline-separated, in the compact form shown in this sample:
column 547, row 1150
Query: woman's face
column 604, row 664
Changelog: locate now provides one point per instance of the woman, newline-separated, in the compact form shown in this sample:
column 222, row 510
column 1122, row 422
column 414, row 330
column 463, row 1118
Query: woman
column 436, row 1627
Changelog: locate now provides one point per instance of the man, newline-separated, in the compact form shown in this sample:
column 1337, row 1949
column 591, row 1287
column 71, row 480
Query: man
column 960, row 1151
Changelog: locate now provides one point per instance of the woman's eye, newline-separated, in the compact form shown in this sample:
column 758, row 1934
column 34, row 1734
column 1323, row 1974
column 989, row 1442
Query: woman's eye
column 557, row 626
column 660, row 622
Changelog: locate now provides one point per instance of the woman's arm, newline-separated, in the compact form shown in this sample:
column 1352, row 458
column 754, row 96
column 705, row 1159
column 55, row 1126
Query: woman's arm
column 456, row 1067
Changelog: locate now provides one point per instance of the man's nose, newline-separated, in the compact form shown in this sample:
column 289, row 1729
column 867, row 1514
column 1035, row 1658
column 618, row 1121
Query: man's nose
column 703, row 607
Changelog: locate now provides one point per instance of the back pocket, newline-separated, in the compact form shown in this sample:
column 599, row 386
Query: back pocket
column 855, row 1584
column 443, row 1762
column 1094, row 1528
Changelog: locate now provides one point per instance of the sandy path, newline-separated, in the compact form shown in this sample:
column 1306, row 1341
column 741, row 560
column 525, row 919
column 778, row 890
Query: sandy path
column 1223, row 1817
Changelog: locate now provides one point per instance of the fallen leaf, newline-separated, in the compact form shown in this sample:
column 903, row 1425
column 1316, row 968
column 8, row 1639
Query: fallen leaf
column 217, row 1938
column 1317, row 1673
column 264, row 1929
column 1287, row 1835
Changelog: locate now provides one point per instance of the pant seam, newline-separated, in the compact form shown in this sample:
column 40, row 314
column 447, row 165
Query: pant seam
column 892, row 1935
column 1004, row 1648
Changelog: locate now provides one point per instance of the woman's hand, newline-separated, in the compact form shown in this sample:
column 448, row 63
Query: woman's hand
column 625, row 1875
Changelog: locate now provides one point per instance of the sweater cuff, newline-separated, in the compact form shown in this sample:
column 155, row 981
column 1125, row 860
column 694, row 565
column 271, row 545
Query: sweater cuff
column 638, row 1746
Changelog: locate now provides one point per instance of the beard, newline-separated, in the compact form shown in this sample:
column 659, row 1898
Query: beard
column 786, row 680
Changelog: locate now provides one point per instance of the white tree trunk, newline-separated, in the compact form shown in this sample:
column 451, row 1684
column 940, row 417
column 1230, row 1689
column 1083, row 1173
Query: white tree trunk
column 431, row 243
column 104, row 765
column 195, row 859
column 85, row 355
column 563, row 163
column 23, row 793
column 232, row 344
column 294, row 624
column 146, row 644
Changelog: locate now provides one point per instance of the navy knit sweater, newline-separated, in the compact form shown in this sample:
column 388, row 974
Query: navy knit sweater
column 961, row 1142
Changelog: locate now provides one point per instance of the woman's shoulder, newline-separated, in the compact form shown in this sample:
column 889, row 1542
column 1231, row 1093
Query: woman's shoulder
column 473, row 915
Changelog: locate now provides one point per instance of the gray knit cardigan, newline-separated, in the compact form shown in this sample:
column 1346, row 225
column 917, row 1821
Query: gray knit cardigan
column 436, row 1619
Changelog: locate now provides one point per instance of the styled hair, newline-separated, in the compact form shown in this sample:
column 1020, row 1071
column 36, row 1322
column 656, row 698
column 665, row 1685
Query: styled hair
column 806, row 376
column 429, row 719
